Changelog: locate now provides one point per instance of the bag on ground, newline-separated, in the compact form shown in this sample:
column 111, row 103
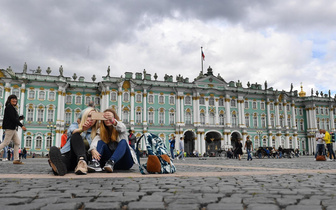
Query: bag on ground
column 158, row 157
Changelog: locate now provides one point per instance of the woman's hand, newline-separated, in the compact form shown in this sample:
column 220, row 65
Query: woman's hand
column 110, row 118
column 95, row 154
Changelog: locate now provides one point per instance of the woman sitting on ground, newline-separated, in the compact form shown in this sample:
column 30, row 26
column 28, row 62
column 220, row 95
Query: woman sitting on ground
column 110, row 149
column 74, row 156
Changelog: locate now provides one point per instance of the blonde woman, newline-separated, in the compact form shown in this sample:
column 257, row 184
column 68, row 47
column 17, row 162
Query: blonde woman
column 73, row 156
column 110, row 149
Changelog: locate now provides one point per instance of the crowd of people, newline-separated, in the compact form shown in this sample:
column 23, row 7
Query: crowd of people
column 324, row 145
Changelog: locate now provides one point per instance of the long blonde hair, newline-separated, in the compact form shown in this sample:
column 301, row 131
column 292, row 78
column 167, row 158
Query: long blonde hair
column 94, row 127
column 108, row 134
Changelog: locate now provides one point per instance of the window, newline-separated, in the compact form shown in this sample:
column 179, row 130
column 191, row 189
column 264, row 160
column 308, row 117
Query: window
column 233, row 103
column 271, row 106
column 16, row 92
column 221, row 119
column 138, row 98
column 301, row 125
column 327, row 111
column 77, row 113
column 68, row 99
column 301, row 111
column 31, row 94
column 40, row 115
column 202, row 118
column 264, row 141
column 288, row 108
column 289, row 121
column 38, row 143
column 1, row 92
column 171, row 117
column 246, row 104
column 161, row 117
column 51, row 96
column 41, row 95
column 256, row 142
column 262, row 105
column 151, row 99
column 272, row 121
column 97, row 101
column 317, row 110
column 50, row 115
column 280, row 106
column 211, row 101
column 188, row 118
column 138, row 117
column 263, row 121
column 78, row 100
column 87, row 100
column 30, row 115
column 254, row 105
column 28, row 142
column 290, row 143
column 221, row 102
column 126, row 97
column 161, row 99
column 113, row 96
column 125, row 116
column 171, row 100
column 234, row 119
column 247, row 120
column 67, row 118
column 49, row 142
column 282, row 121
column 187, row 100
column 201, row 100
column 150, row 117
column 255, row 121
column 273, row 142
column 212, row 118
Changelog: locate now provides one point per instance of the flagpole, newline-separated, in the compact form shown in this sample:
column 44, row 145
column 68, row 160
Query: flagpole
column 202, row 58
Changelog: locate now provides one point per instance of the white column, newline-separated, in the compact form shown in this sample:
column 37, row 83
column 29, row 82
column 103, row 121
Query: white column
column 182, row 110
column 268, row 115
column 107, row 97
column 216, row 112
column 178, row 110
column 203, row 143
column 119, row 101
column 132, row 106
column 241, row 109
column 331, row 119
column 206, row 111
column 285, row 113
column 277, row 115
column 228, row 111
column 195, row 111
column 144, row 114
column 293, row 116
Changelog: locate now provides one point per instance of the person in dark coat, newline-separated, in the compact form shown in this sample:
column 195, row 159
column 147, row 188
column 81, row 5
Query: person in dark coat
column 10, row 124
column 239, row 150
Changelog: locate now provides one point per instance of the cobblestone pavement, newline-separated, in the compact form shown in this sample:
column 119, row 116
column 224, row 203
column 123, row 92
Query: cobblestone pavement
column 199, row 183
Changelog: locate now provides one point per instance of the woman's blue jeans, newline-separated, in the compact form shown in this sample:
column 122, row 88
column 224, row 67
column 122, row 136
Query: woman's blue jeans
column 122, row 156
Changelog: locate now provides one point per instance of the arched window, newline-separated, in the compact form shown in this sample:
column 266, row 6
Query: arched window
column 161, row 99
column 221, row 102
column 188, row 118
column 221, row 119
column 16, row 92
column 38, row 142
column 41, row 95
column 78, row 100
column 48, row 142
column 234, row 119
column 151, row 116
column 187, row 100
column 126, row 97
column 31, row 94
column 138, row 115
column 212, row 118
column 125, row 116
column 201, row 100
column 51, row 96
column 172, row 116
column 28, row 142
column 211, row 101
column 151, row 99
column 202, row 118
column 138, row 98
column 68, row 99
column 87, row 100
column 113, row 96
column 171, row 100
column 161, row 116
column 247, row 120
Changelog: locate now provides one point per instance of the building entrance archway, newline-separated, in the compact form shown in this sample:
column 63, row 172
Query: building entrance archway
column 189, row 142
column 234, row 138
column 213, row 143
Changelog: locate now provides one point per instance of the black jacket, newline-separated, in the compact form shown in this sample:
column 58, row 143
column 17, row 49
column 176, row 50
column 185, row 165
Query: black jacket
column 11, row 118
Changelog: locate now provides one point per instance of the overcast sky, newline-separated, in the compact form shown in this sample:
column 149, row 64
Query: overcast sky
column 282, row 42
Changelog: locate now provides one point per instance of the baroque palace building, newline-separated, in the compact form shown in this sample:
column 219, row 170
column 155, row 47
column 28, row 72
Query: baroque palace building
column 209, row 113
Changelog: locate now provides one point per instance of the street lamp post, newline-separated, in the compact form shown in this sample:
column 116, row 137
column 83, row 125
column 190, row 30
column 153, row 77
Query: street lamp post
column 259, row 132
column 51, row 127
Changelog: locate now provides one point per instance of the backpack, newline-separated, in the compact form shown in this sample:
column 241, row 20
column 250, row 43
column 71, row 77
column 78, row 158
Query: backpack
column 158, row 156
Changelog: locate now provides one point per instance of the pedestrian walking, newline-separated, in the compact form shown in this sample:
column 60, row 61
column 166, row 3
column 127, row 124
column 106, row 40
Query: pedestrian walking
column 131, row 139
column 249, row 147
column 327, row 139
column 172, row 146
column 320, row 149
column 110, row 149
column 239, row 150
column 73, row 156
column 10, row 124
column 181, row 155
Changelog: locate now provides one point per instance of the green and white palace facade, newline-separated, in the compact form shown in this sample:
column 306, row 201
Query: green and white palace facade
column 209, row 113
